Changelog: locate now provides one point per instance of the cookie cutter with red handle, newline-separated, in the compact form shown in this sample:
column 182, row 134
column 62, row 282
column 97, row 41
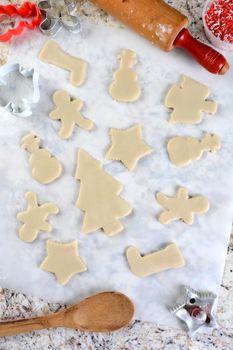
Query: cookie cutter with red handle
column 26, row 11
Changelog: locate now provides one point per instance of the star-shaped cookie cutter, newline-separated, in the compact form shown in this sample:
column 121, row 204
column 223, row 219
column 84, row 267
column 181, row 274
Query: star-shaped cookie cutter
column 58, row 14
column 196, row 309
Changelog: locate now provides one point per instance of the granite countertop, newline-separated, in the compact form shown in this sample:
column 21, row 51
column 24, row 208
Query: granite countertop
column 139, row 335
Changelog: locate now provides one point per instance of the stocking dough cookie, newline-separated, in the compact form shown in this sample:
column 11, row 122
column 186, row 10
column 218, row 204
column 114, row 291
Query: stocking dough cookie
column 52, row 53
column 63, row 260
column 182, row 206
column 188, row 101
column 128, row 146
column 125, row 87
column 68, row 112
column 142, row 266
column 45, row 167
column 99, row 197
column 34, row 219
column 183, row 150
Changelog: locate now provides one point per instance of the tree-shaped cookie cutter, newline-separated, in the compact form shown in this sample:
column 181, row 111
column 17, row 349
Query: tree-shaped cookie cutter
column 19, row 89
column 58, row 14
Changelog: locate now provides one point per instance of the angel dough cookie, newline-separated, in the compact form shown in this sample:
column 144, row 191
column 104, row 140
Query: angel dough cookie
column 99, row 197
column 63, row 260
column 68, row 112
column 128, row 146
column 34, row 219
column 125, row 87
column 45, row 167
column 183, row 150
column 53, row 53
column 188, row 101
column 182, row 206
column 164, row 259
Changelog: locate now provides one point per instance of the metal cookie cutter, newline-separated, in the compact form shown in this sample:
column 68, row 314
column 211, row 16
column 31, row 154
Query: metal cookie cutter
column 196, row 310
column 19, row 89
column 58, row 14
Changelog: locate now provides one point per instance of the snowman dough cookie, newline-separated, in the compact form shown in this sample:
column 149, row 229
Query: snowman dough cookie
column 45, row 167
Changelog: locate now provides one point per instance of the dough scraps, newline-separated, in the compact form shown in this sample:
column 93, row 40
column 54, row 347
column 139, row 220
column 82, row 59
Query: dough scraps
column 52, row 53
column 34, row 218
column 161, row 260
column 128, row 146
column 183, row 150
column 68, row 112
column 188, row 101
column 63, row 260
column 182, row 206
column 45, row 167
column 99, row 197
column 125, row 87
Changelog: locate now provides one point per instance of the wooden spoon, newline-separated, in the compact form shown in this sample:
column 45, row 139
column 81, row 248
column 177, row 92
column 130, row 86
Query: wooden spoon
column 103, row 312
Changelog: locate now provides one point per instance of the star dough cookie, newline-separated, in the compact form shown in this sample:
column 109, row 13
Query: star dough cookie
column 182, row 206
column 128, row 146
column 68, row 112
column 99, row 197
column 188, row 101
column 34, row 218
column 63, row 260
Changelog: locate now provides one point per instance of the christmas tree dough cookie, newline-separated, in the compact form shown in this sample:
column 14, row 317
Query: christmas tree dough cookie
column 182, row 206
column 183, row 150
column 99, row 197
column 68, row 112
column 128, row 146
column 34, row 219
column 125, row 87
column 188, row 101
column 63, row 260
column 164, row 259
column 45, row 167
column 52, row 53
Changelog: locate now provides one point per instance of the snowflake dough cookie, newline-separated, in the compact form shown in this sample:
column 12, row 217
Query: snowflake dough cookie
column 125, row 87
column 182, row 206
column 63, row 260
column 99, row 197
column 164, row 259
column 52, row 53
column 188, row 101
column 68, row 112
column 34, row 218
column 45, row 167
column 183, row 150
column 128, row 146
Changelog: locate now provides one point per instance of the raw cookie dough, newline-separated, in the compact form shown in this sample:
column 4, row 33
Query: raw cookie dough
column 183, row 150
column 164, row 259
column 45, row 167
column 68, row 112
column 99, row 197
column 128, row 146
column 188, row 101
column 34, row 219
column 182, row 206
column 125, row 87
column 52, row 53
column 63, row 260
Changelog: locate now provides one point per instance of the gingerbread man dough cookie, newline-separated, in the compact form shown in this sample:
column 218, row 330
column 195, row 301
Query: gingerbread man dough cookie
column 183, row 150
column 34, row 219
column 188, row 101
column 68, row 112
column 45, row 167
column 182, row 206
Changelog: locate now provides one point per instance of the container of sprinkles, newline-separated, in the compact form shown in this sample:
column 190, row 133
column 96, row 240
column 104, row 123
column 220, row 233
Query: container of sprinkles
column 218, row 23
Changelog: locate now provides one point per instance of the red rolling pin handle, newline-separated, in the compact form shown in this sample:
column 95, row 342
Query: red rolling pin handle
column 209, row 58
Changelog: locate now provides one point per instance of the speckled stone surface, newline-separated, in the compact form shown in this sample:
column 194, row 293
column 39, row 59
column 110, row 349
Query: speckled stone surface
column 139, row 335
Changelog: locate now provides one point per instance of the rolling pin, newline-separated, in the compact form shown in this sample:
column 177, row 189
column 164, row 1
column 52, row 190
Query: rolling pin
column 165, row 27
